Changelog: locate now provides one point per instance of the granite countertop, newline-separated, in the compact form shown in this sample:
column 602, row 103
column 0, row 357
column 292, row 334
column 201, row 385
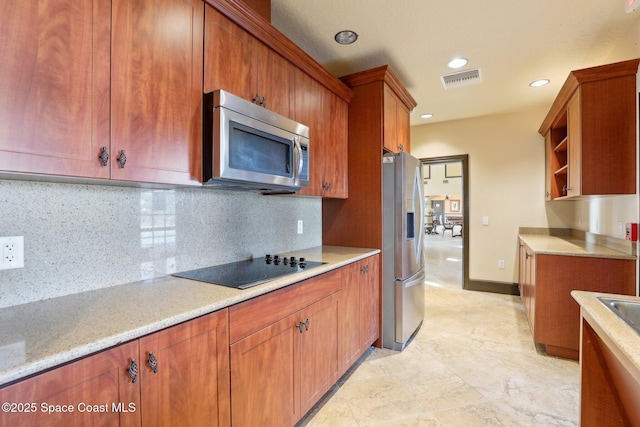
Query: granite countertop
column 569, row 246
column 618, row 335
column 44, row 334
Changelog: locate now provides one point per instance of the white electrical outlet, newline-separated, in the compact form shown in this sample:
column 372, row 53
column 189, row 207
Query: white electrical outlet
column 501, row 264
column 11, row 252
column 300, row 226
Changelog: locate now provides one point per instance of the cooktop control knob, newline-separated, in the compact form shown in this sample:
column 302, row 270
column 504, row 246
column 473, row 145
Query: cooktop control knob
column 268, row 259
column 285, row 260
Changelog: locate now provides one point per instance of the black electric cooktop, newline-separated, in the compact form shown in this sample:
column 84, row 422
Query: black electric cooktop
column 245, row 274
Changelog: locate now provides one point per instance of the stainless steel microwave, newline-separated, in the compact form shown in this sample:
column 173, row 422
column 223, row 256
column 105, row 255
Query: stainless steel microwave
column 248, row 147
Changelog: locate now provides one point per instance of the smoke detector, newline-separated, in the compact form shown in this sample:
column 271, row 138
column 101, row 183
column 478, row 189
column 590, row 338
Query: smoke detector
column 461, row 78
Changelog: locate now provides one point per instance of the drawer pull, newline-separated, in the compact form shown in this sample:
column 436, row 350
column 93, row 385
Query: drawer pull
column 122, row 159
column 104, row 156
column 132, row 370
column 152, row 361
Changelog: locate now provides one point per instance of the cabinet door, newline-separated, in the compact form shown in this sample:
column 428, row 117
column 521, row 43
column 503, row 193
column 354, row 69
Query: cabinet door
column 390, row 121
column 238, row 63
column 370, row 301
column 227, row 56
column 157, row 90
column 403, row 128
column 335, row 150
column 531, row 289
column 54, row 81
column 318, row 350
column 309, row 110
column 97, row 389
column 351, row 319
column 191, row 384
column 265, row 376
column 574, row 141
column 274, row 79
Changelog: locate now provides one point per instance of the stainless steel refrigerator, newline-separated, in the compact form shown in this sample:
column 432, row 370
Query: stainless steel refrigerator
column 402, row 249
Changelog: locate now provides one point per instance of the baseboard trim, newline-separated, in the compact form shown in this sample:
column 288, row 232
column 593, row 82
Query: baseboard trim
column 495, row 287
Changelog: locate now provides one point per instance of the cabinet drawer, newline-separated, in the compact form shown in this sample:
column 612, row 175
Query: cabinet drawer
column 257, row 313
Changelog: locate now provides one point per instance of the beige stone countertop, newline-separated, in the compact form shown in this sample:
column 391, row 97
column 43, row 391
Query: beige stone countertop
column 621, row 338
column 41, row 335
column 567, row 246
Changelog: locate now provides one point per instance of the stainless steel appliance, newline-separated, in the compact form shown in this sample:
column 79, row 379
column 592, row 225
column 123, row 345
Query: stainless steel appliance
column 251, row 272
column 246, row 146
column 402, row 252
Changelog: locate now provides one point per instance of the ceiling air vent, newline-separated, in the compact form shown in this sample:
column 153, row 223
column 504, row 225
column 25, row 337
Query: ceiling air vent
column 461, row 78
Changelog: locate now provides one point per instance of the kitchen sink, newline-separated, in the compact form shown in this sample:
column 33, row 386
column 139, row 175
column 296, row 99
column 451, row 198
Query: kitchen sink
column 627, row 310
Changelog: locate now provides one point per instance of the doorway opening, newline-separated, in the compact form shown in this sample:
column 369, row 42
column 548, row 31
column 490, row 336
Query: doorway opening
column 446, row 193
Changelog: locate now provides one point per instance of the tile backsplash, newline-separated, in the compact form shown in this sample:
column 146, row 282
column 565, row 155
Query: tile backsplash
column 81, row 237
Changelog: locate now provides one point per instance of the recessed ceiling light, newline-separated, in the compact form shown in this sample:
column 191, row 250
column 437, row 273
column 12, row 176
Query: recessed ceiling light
column 426, row 116
column 539, row 83
column 346, row 37
column 457, row 63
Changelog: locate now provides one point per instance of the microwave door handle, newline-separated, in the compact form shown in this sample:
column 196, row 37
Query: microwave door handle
column 300, row 160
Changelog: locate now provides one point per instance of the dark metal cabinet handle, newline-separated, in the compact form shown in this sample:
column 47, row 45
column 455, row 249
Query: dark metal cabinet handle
column 526, row 255
column 122, row 159
column 300, row 325
column 364, row 269
column 132, row 370
column 401, row 147
column 263, row 103
column 152, row 361
column 306, row 325
column 104, row 156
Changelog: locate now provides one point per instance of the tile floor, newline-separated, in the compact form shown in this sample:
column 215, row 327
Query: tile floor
column 472, row 363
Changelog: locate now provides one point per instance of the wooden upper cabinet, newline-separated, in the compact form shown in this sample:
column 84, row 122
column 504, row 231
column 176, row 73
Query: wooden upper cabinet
column 156, row 90
column 390, row 123
column 326, row 116
column 101, row 380
column 394, row 102
column 396, row 123
column 590, row 133
column 238, row 63
column 403, row 124
column 54, row 83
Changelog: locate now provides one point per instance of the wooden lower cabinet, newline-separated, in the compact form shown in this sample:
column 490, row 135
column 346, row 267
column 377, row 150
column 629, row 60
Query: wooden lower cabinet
column 281, row 369
column 608, row 389
column 279, row 372
column 289, row 347
column 190, row 387
column 553, row 314
column 360, row 308
column 263, row 362
column 63, row 396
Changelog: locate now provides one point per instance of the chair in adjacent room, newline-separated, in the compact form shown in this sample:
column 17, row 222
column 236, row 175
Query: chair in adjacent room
column 448, row 226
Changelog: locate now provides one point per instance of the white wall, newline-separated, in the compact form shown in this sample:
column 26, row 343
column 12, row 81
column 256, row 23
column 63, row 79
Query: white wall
column 506, row 179
column 506, row 183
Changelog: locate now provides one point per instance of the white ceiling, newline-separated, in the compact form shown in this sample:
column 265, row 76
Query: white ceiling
column 512, row 42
